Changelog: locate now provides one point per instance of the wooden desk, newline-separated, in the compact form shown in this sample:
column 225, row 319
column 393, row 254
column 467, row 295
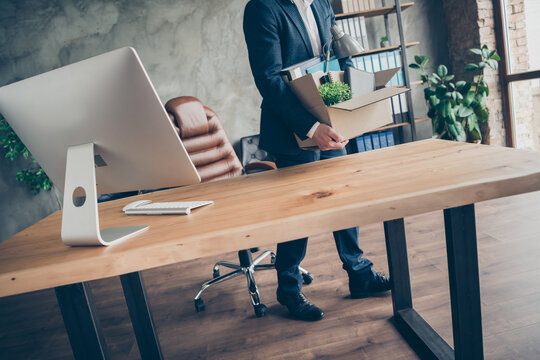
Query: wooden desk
column 266, row 208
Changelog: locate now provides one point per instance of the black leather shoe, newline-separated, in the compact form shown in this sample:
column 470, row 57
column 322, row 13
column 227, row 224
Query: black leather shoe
column 300, row 307
column 365, row 288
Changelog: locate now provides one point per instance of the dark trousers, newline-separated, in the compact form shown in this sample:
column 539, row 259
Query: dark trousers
column 290, row 254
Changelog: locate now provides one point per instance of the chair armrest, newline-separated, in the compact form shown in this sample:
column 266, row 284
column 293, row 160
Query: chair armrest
column 259, row 166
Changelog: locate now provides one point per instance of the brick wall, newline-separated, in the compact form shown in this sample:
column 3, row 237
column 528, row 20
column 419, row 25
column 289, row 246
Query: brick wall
column 471, row 24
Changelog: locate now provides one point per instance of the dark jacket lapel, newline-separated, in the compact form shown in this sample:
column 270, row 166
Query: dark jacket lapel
column 292, row 12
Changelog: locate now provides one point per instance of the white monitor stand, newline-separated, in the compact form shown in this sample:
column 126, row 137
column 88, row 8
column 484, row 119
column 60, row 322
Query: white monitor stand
column 80, row 218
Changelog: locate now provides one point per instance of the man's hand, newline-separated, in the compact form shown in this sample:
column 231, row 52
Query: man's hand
column 328, row 139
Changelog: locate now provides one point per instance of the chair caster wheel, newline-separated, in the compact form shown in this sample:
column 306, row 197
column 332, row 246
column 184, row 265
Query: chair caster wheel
column 215, row 274
column 199, row 305
column 260, row 310
column 307, row 278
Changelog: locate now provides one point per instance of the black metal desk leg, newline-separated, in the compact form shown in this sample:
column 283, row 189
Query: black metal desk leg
column 463, row 274
column 82, row 324
column 141, row 316
column 398, row 264
column 418, row 333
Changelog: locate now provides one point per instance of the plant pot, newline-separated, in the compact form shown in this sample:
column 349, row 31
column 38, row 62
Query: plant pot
column 385, row 44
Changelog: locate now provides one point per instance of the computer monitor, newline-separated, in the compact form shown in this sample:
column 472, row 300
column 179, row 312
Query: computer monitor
column 97, row 126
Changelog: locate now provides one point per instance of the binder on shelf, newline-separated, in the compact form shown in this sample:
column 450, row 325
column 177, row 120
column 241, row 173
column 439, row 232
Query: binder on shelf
column 350, row 5
column 382, row 139
column 355, row 5
column 367, row 142
column 375, row 141
column 298, row 70
column 390, row 138
column 367, row 4
column 308, row 67
column 360, row 147
column 363, row 31
column 358, row 32
column 345, row 6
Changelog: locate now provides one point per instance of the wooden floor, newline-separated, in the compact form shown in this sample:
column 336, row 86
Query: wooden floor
column 508, row 232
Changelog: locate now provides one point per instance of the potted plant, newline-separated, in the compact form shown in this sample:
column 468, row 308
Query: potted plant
column 33, row 176
column 384, row 41
column 336, row 92
column 456, row 109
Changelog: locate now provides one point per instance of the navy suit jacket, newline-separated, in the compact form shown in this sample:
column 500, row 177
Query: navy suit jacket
column 276, row 38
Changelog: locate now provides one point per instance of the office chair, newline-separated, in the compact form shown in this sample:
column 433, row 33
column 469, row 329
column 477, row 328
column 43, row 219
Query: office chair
column 212, row 154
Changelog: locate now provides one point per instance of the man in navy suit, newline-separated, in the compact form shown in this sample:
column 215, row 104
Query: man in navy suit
column 281, row 33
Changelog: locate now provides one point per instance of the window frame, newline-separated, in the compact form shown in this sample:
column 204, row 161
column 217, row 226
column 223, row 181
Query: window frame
column 501, row 34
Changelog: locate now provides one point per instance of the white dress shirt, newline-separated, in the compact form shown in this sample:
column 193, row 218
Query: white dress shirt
column 304, row 8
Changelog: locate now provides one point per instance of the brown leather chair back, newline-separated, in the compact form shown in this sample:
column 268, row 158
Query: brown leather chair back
column 204, row 138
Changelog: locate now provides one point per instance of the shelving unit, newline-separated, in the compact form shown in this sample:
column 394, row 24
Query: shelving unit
column 385, row 11
column 385, row 49
column 398, row 125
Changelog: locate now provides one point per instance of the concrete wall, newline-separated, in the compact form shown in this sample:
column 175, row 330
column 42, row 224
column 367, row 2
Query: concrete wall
column 189, row 47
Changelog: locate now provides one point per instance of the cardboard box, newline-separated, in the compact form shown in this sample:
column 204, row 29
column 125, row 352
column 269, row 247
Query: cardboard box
column 353, row 117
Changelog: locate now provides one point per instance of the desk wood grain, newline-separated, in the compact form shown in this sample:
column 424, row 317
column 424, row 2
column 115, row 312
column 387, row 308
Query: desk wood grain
column 275, row 206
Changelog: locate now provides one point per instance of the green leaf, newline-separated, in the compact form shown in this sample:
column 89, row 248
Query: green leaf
column 485, row 51
column 428, row 92
column 453, row 130
column 457, row 131
column 493, row 64
column 414, row 66
column 481, row 98
column 481, row 65
column 483, row 90
column 482, row 115
column 464, row 111
column 434, row 100
column 460, row 84
column 469, row 98
column 442, row 70
column 444, row 108
column 418, row 59
column 476, row 51
column 432, row 79
column 470, row 67
column 425, row 60
column 441, row 90
column 495, row 56
column 449, row 77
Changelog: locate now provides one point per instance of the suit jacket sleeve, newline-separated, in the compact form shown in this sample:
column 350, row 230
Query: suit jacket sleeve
column 261, row 33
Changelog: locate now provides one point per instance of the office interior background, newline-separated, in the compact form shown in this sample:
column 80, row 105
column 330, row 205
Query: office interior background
column 194, row 47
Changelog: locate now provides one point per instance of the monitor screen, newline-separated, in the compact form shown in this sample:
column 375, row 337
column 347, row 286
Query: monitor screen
column 107, row 100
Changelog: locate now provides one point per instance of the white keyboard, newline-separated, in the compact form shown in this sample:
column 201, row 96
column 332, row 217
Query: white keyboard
column 147, row 207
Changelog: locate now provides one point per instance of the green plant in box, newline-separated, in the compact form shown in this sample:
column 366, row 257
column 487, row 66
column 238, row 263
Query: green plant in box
column 456, row 109
column 34, row 176
column 336, row 92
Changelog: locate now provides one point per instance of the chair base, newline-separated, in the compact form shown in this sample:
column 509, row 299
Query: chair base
column 247, row 267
